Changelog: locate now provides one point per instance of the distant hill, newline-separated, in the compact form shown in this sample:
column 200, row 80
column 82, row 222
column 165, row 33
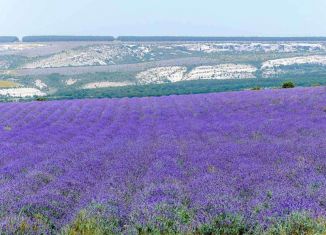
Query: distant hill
column 57, row 38
column 66, row 38
column 214, row 39
column 8, row 39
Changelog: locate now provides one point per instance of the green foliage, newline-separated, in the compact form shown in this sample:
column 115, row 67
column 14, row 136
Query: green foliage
column 41, row 99
column 27, row 225
column 93, row 220
column 179, row 88
column 298, row 224
column 166, row 219
column 85, row 224
column 225, row 224
column 103, row 77
column 89, row 222
column 257, row 88
column 57, row 89
column 288, row 85
column 13, row 62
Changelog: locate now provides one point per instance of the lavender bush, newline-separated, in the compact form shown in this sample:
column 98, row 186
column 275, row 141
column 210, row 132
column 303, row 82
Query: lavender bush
column 248, row 162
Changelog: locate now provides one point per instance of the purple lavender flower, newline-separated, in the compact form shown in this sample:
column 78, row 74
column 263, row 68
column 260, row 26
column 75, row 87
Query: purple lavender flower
column 177, row 160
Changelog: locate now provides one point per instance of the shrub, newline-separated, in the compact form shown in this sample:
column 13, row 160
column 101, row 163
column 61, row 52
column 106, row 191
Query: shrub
column 88, row 223
column 26, row 225
column 288, row 85
column 41, row 99
column 93, row 220
column 297, row 224
column 225, row 224
column 257, row 88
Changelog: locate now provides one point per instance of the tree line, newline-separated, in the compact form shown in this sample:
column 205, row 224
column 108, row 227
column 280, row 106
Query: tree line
column 56, row 38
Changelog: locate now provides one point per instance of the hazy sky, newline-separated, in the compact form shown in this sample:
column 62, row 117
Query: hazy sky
column 163, row 17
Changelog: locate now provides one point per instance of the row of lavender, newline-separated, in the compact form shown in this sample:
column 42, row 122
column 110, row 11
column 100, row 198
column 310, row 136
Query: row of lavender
column 151, row 164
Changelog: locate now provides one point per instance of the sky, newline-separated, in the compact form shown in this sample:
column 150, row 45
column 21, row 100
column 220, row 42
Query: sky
column 163, row 17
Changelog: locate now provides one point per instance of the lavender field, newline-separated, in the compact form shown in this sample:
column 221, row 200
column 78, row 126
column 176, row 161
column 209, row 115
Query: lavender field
column 250, row 162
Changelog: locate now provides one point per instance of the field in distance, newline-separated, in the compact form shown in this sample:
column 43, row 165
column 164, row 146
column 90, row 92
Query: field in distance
column 58, row 70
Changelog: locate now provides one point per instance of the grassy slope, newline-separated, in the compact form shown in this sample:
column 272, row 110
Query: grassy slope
column 187, row 87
